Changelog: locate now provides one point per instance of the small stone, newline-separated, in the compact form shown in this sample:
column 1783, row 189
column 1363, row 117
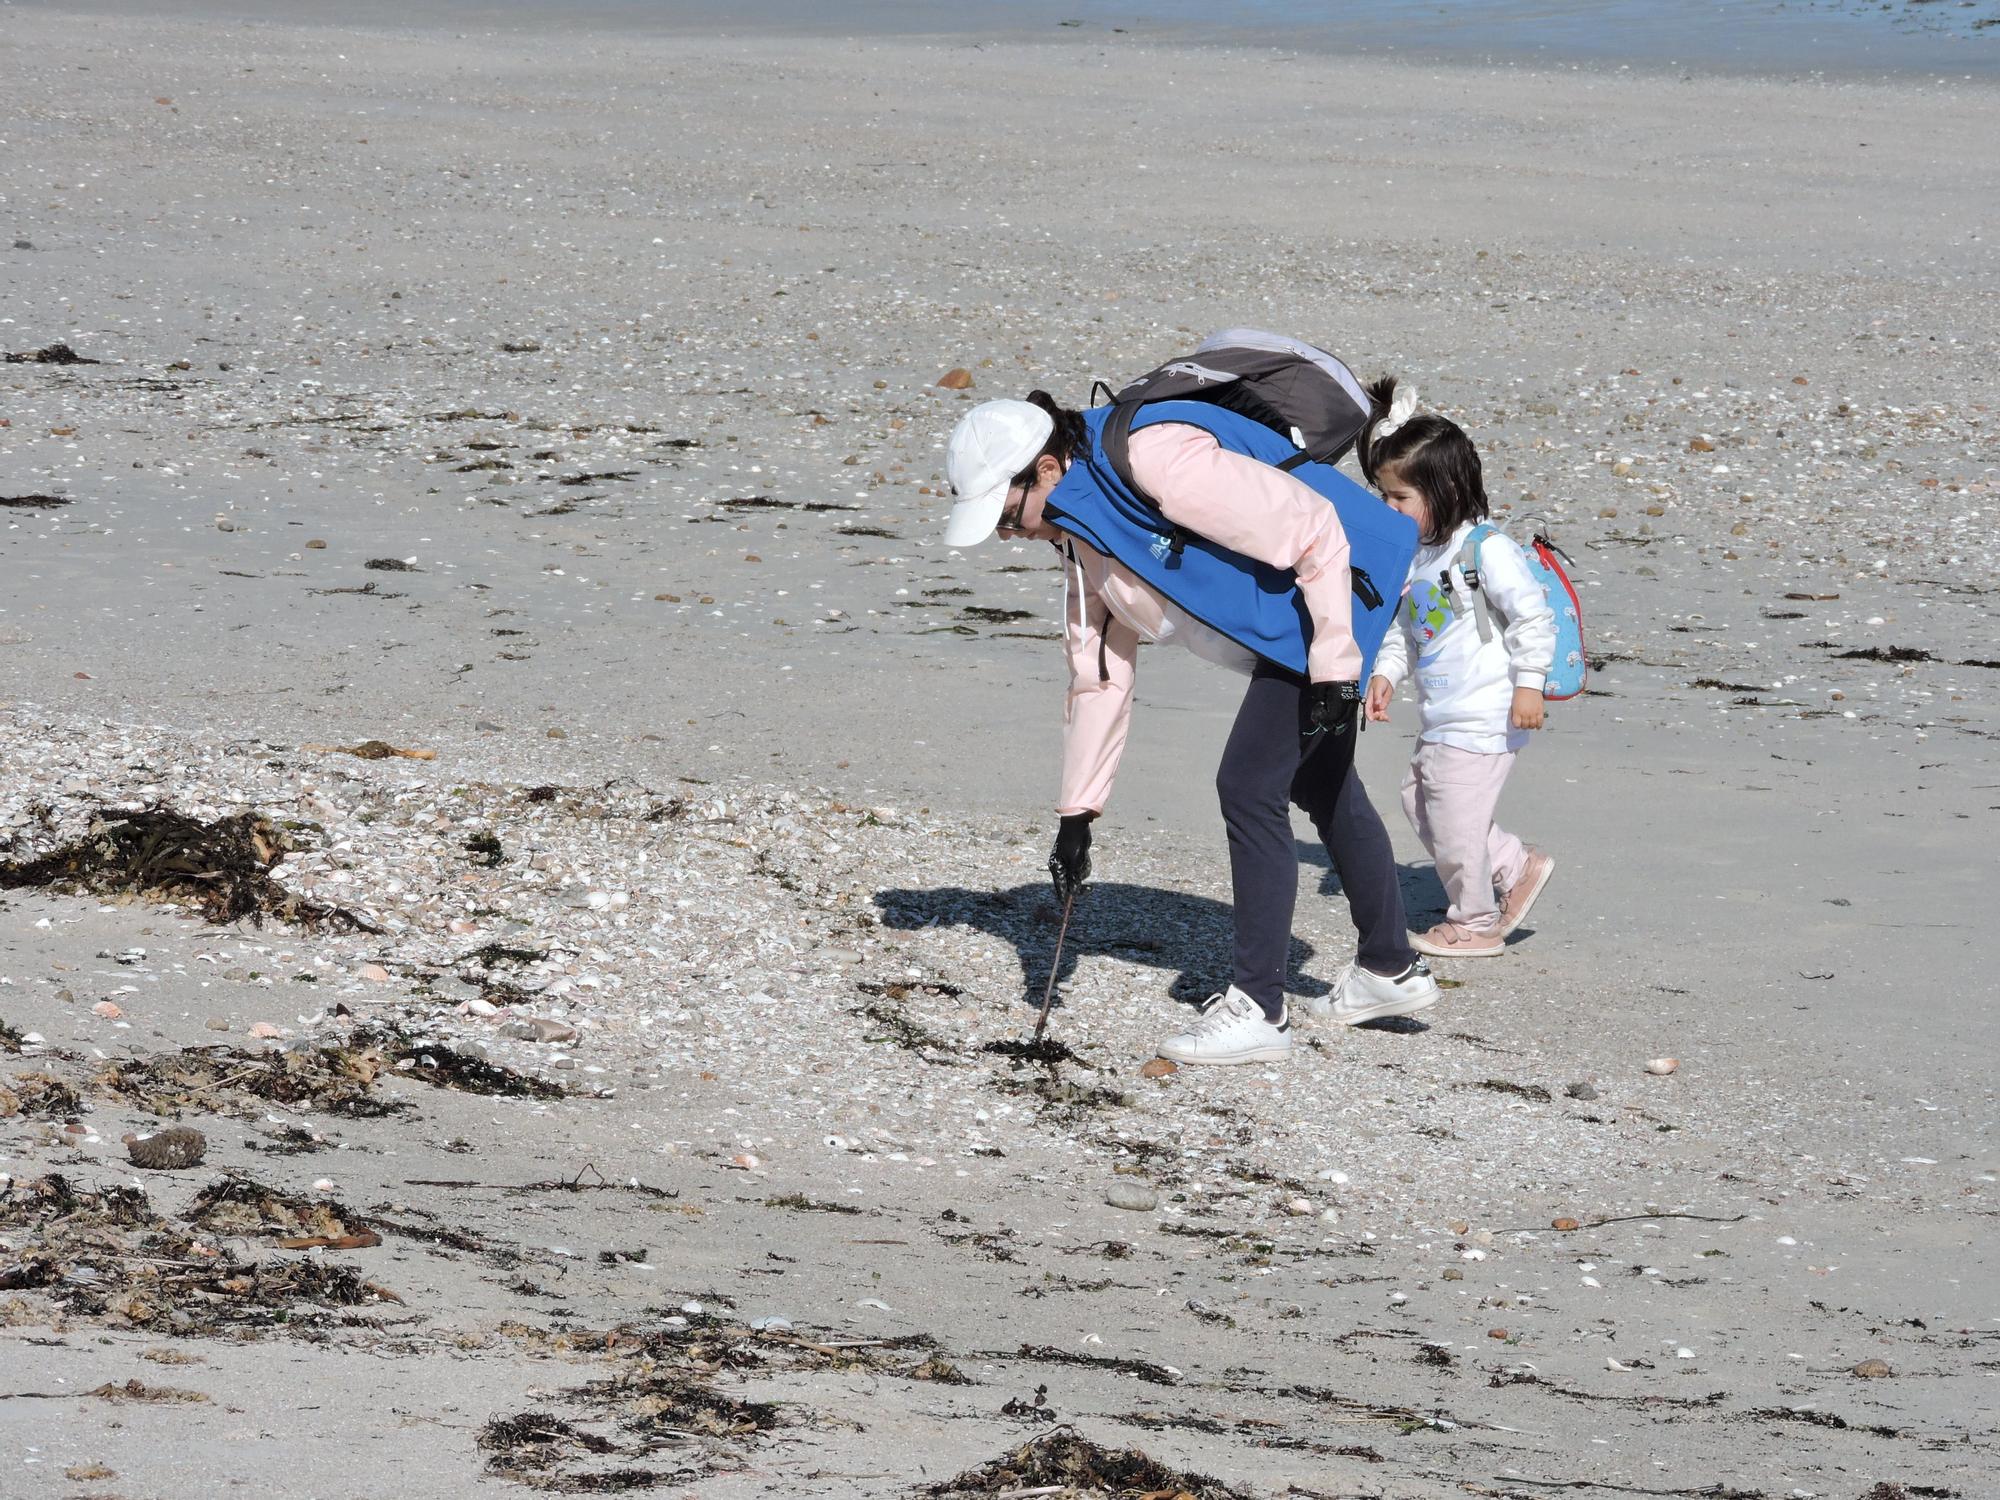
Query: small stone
column 217, row 1023
column 1873, row 1369
column 956, row 380
column 316, row 545
column 1565, row 1224
column 1159, row 1067
column 1700, row 445
column 1660, row 1067
column 558, row 734
column 264, row 1031
column 748, row 1161
column 1452, row 1273
column 1496, row 1333
column 1138, row 1197
column 110, row 1010
column 538, row 1029
column 1299, row 1208
column 1585, row 1091
column 225, row 525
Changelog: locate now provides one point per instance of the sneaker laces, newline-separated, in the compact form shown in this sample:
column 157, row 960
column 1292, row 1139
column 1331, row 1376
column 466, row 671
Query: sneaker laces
column 1217, row 1016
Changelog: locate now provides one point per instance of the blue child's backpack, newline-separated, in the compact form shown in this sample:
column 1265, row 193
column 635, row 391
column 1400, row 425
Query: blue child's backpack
column 1545, row 560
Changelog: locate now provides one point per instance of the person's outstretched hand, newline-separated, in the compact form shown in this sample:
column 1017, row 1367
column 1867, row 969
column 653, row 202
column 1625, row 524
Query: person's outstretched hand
column 1380, row 691
column 1069, row 861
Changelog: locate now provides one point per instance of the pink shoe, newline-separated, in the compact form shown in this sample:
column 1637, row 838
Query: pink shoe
column 1449, row 940
column 1520, row 897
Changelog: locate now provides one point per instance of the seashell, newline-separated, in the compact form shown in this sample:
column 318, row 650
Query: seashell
column 168, row 1150
column 1660, row 1067
column 110, row 1010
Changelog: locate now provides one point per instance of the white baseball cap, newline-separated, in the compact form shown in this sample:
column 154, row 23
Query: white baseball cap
column 990, row 445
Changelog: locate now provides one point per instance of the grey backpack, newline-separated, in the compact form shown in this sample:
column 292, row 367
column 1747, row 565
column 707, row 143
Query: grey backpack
column 1297, row 390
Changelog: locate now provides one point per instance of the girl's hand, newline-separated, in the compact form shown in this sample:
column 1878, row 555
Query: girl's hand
column 1380, row 690
column 1528, row 710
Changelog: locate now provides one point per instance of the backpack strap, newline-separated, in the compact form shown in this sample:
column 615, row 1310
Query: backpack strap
column 1115, row 441
column 1466, row 565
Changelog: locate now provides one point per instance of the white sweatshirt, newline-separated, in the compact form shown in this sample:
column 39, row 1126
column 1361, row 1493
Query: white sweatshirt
column 1465, row 686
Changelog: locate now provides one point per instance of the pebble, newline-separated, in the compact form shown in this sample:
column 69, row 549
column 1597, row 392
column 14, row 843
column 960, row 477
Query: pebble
column 264, row 1031
column 216, row 1023
column 110, row 1010
column 1873, row 1369
column 1660, row 1067
column 1138, row 1197
column 538, row 1029
column 1159, row 1067
column 1584, row 1091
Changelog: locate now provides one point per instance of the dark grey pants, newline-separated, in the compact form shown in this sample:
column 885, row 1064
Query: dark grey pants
column 1268, row 765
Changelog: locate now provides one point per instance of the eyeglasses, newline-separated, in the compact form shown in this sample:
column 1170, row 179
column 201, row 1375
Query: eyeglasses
column 1013, row 505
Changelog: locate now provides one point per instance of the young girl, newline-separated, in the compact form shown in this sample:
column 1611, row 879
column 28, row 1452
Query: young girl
column 1476, row 699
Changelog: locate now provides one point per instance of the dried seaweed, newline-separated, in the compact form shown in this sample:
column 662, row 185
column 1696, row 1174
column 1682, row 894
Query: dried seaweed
column 221, row 868
column 104, row 1254
column 1063, row 1459
column 227, row 1080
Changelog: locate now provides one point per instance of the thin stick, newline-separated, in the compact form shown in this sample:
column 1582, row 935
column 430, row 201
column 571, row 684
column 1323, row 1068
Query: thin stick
column 1055, row 966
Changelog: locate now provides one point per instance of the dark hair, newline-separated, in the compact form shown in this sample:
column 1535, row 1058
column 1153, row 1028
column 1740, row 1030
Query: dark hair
column 1432, row 455
column 1068, row 440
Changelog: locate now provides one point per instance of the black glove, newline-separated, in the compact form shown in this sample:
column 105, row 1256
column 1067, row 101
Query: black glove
column 1332, row 707
column 1069, row 861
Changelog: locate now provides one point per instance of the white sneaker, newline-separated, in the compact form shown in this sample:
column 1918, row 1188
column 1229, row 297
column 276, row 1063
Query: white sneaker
column 1232, row 1029
column 1362, row 996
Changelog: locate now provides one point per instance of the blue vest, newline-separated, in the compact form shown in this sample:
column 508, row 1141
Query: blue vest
column 1254, row 604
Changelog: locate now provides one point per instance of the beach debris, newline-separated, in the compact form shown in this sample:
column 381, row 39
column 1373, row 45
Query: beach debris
column 1660, row 1067
column 169, row 1150
column 106, row 1255
column 1064, row 1462
column 42, row 1096
column 222, row 868
column 33, row 502
column 372, row 750
column 959, row 379
column 1873, row 1369
column 53, row 354
column 1565, row 1225
column 447, row 1067
column 238, row 1204
column 333, row 1079
column 1159, row 1067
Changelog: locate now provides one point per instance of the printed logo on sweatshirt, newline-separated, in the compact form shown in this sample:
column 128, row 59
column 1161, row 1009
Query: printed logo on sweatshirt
column 1430, row 612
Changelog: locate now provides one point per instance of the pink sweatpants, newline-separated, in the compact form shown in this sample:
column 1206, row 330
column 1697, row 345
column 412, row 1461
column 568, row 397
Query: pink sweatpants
column 1450, row 795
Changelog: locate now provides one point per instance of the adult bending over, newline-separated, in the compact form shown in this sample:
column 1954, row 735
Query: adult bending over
column 1030, row 469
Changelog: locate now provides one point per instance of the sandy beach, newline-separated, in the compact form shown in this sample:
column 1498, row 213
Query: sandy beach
column 562, row 401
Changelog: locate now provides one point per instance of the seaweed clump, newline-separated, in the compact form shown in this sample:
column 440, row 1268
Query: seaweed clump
column 104, row 1254
column 1063, row 1459
column 227, row 1080
column 222, row 869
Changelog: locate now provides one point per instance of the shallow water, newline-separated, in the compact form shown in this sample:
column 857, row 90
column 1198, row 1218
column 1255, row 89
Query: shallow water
column 1842, row 37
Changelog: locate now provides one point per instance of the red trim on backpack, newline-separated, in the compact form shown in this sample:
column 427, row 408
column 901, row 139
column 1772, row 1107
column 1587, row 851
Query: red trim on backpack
column 1545, row 551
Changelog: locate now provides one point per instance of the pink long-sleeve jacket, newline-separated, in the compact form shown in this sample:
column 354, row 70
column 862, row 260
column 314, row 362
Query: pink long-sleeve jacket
column 1232, row 499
